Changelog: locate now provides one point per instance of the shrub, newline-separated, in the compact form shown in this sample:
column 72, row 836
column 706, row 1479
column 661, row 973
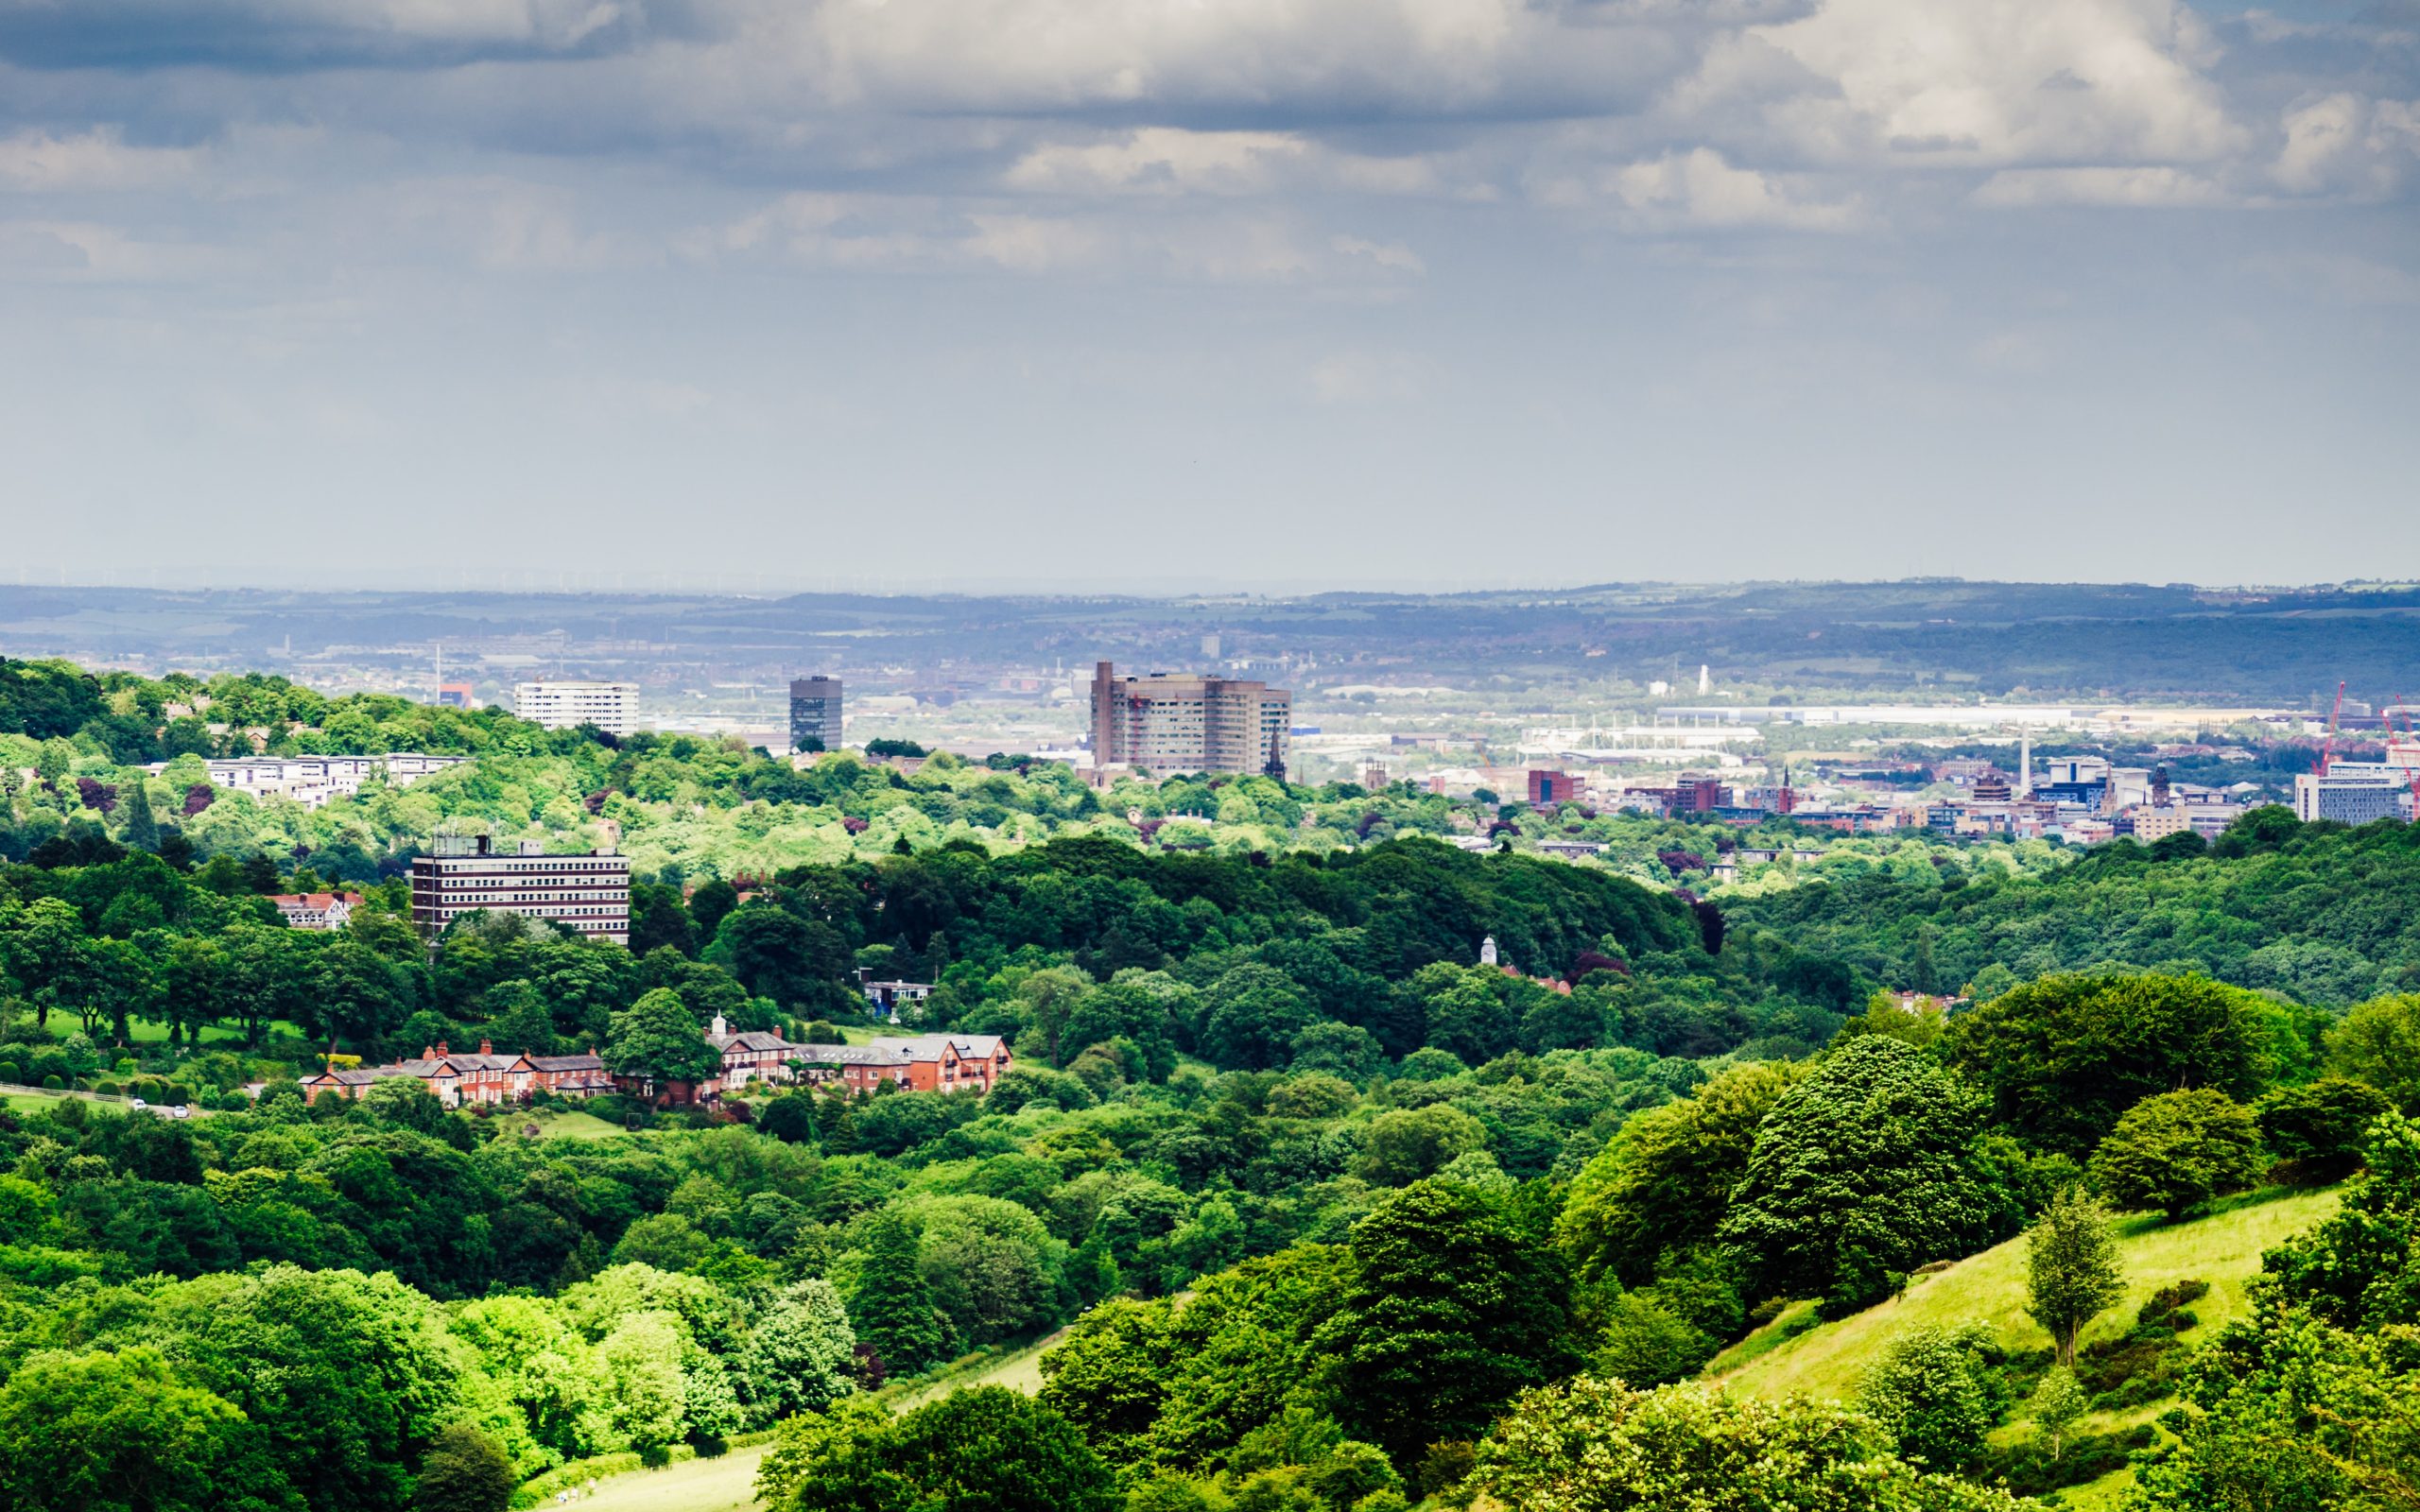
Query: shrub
column 234, row 1103
column 176, row 1094
column 106, row 1088
column 10, row 1071
column 54, row 1084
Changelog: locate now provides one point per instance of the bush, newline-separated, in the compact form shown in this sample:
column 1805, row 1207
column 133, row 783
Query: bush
column 10, row 1072
column 52, row 1083
column 234, row 1103
column 2032, row 1471
column 176, row 1094
column 106, row 1088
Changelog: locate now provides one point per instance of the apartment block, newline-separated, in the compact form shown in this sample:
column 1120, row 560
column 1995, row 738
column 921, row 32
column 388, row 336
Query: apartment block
column 1171, row 722
column 589, row 891
column 565, row 704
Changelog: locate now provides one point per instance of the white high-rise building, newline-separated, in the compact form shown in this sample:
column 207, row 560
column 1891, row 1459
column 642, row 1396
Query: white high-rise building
column 561, row 704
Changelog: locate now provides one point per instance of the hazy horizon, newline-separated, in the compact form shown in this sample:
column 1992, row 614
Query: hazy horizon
column 1336, row 291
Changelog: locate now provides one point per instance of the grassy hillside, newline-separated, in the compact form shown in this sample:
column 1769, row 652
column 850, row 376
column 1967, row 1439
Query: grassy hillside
column 1788, row 1357
column 2223, row 1249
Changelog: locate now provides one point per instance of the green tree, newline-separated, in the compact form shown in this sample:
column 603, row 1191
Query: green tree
column 2178, row 1150
column 803, row 1348
column 2317, row 1127
column 1861, row 1173
column 2378, row 1042
column 346, row 1375
column 142, row 832
column 1600, row 1446
column 1925, row 1389
column 1404, row 1144
column 466, row 1471
column 657, row 1037
column 2072, row 1271
column 2058, row 1404
column 2064, row 1056
column 100, row 1432
column 1448, row 1311
column 987, row 1449
column 1255, row 1012
column 892, row 1308
column 1665, row 1179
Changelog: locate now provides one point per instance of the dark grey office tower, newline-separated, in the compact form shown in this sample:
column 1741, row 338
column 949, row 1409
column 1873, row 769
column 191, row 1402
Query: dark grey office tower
column 815, row 713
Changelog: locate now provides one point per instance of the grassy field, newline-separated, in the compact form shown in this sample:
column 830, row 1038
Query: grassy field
column 566, row 1124
column 728, row 1483
column 2224, row 1250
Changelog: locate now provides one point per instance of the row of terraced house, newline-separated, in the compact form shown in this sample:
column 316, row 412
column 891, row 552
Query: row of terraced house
column 931, row 1062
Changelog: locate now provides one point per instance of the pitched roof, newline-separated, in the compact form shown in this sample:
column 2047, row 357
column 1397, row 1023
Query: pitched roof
column 590, row 1061
column 750, row 1039
column 930, row 1046
column 314, row 901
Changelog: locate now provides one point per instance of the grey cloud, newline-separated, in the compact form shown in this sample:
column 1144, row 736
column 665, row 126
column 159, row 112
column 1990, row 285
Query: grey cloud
column 285, row 35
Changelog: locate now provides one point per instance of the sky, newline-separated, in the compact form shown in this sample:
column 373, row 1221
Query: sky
column 1092, row 293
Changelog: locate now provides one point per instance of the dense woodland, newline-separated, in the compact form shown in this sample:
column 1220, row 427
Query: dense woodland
column 1343, row 1221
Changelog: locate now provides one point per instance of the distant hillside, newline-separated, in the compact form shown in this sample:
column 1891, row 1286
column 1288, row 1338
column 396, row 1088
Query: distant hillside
column 1802, row 639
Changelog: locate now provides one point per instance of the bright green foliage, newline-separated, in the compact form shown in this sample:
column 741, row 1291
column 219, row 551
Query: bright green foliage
column 1643, row 1342
column 1600, row 1446
column 100, row 1432
column 1926, row 1390
column 2361, row 1269
column 2317, row 1127
column 988, row 1449
column 347, row 1375
column 2065, row 1055
column 2071, row 1272
column 1663, row 1180
column 1448, row 1309
column 2057, row 1404
column 2378, row 1042
column 2178, row 1150
column 2288, row 1413
column 465, row 1472
column 1861, row 1173
column 1185, row 1383
column 657, row 1037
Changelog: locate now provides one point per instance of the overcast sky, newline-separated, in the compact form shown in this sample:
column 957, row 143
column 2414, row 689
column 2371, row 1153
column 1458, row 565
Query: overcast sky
column 1102, row 291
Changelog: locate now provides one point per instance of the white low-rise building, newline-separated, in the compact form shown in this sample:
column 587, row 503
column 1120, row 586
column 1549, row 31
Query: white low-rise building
column 312, row 780
column 561, row 703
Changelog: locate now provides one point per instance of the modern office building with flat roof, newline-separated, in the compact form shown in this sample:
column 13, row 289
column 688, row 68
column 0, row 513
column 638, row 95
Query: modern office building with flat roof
column 1173, row 722
column 588, row 890
column 559, row 703
column 815, row 713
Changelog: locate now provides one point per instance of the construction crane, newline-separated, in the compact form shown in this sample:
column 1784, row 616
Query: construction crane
column 2327, row 747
